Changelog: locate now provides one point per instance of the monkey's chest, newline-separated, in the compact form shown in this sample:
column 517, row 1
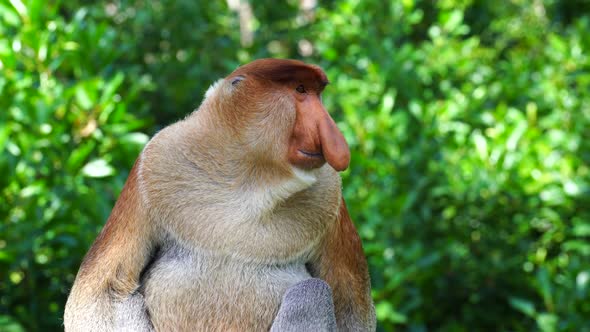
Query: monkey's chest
column 190, row 292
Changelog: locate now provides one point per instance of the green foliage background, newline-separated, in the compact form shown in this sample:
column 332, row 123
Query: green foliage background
column 468, row 121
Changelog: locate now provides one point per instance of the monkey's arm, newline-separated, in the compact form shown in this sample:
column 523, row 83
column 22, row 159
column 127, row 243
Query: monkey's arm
column 342, row 264
column 104, row 296
column 306, row 306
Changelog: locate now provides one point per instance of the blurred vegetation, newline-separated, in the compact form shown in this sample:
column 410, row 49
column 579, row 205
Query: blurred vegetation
column 469, row 124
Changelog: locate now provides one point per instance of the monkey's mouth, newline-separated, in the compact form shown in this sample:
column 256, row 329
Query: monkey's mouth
column 308, row 160
column 312, row 154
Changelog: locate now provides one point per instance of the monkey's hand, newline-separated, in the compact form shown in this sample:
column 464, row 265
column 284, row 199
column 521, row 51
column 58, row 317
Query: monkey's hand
column 306, row 306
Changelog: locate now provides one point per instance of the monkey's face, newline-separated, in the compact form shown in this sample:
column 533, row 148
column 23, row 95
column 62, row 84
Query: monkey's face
column 315, row 138
column 279, row 104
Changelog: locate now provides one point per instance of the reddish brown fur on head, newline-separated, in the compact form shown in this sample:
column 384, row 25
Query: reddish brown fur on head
column 314, row 138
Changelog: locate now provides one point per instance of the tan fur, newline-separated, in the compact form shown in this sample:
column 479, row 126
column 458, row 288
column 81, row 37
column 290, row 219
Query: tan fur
column 229, row 212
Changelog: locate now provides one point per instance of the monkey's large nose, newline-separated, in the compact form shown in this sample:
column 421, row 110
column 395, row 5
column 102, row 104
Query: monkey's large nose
column 334, row 146
column 316, row 139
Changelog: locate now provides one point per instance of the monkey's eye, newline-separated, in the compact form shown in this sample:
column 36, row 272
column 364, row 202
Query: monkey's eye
column 237, row 80
column 300, row 88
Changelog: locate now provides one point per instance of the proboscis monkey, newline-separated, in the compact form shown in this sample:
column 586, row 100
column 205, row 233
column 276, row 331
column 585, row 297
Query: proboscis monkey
column 225, row 210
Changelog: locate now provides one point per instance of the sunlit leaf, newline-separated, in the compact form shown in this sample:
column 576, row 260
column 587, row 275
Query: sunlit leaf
column 20, row 7
column 83, row 97
column 385, row 311
column 481, row 145
column 9, row 15
column 547, row 322
column 97, row 169
column 525, row 306
column 9, row 324
column 139, row 139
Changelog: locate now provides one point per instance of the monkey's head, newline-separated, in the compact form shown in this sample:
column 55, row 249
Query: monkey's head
column 258, row 158
column 274, row 109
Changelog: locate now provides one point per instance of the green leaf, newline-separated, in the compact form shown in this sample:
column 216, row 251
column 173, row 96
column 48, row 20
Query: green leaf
column 545, row 287
column 4, row 134
column 9, row 15
column 481, row 145
column 385, row 311
column 31, row 190
column 582, row 280
column 79, row 155
column 111, row 87
column 97, row 169
column 138, row 139
column 9, row 324
column 522, row 305
column 452, row 20
column 581, row 228
column 20, row 7
column 515, row 136
column 547, row 322
column 580, row 246
column 84, row 97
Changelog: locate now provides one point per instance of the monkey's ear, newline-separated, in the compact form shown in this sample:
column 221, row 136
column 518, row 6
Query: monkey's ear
column 237, row 79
